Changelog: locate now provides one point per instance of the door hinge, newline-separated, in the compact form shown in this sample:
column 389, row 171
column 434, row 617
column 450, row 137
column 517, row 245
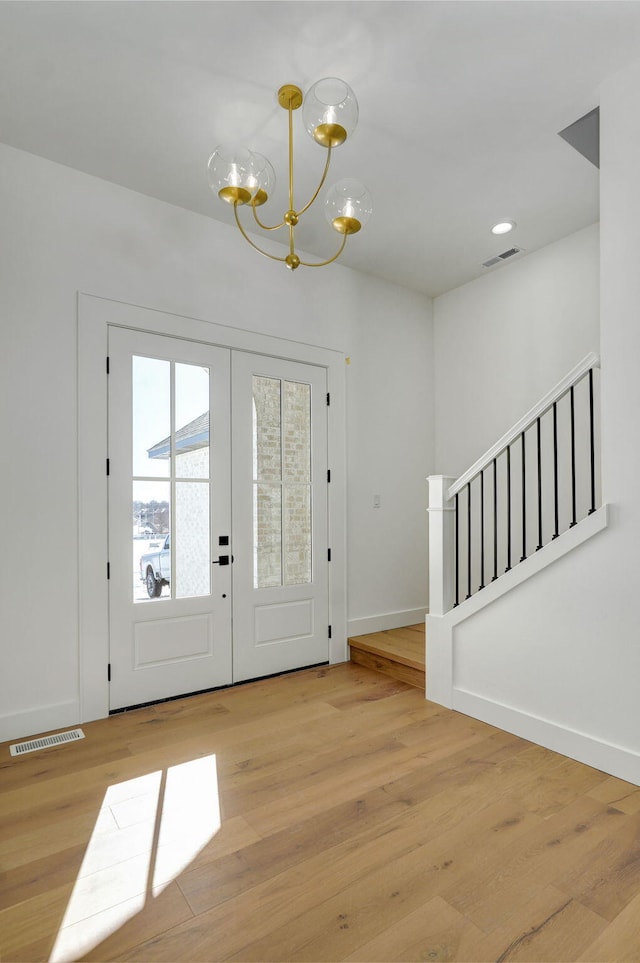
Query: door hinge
column 109, row 673
column 108, row 466
column 328, row 555
column 328, row 398
column 107, row 364
column 108, row 570
column 329, row 632
column 328, row 475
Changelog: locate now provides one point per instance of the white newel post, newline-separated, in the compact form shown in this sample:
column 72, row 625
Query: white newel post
column 441, row 545
column 441, row 590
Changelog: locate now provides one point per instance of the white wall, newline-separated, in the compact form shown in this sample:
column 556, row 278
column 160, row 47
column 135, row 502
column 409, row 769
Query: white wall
column 390, row 422
column 502, row 341
column 557, row 659
column 63, row 231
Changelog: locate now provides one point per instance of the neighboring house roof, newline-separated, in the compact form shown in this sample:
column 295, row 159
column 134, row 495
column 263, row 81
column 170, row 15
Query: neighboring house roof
column 188, row 438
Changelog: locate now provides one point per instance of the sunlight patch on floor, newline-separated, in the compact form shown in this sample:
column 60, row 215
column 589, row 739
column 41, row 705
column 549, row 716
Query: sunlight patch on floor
column 148, row 830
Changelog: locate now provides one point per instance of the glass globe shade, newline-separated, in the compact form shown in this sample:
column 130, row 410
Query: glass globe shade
column 264, row 177
column 330, row 111
column 232, row 172
column 348, row 206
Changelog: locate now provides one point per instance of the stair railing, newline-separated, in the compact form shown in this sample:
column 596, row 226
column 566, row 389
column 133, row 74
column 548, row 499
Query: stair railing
column 538, row 480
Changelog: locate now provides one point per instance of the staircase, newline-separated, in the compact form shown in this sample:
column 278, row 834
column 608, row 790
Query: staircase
column 399, row 653
column 532, row 498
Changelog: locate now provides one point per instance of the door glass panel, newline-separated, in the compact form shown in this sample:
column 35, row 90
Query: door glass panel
column 151, row 401
column 192, row 548
column 267, row 485
column 171, row 419
column 267, row 536
column 282, row 482
column 192, row 421
column 297, row 432
column 297, row 526
column 151, row 553
column 267, row 455
column 297, row 482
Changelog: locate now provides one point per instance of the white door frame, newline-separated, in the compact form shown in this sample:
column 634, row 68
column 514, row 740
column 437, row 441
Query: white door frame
column 95, row 314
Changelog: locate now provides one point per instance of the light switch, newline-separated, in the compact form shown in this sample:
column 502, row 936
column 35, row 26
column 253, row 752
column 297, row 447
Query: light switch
column 376, row 501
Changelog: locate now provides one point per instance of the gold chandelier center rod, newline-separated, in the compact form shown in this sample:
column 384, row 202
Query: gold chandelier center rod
column 291, row 217
column 291, row 207
column 290, row 97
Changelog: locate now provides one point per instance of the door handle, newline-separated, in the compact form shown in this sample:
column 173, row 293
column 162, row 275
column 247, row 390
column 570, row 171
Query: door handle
column 221, row 560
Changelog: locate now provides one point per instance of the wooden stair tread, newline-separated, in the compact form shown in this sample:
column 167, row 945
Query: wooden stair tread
column 404, row 646
column 398, row 653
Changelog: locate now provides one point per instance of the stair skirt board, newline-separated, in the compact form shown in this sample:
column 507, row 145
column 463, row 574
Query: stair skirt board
column 441, row 689
column 440, row 628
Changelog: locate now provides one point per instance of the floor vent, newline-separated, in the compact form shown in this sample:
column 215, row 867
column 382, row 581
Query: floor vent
column 19, row 748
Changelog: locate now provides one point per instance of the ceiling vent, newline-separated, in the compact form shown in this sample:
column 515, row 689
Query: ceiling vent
column 502, row 257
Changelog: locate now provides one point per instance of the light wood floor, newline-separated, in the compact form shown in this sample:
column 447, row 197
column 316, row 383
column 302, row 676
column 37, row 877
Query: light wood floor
column 356, row 822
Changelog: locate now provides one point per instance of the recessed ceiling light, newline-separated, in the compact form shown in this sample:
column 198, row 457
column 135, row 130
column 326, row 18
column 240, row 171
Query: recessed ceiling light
column 503, row 227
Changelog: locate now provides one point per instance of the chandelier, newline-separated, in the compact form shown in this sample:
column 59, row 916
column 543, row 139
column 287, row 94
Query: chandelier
column 242, row 177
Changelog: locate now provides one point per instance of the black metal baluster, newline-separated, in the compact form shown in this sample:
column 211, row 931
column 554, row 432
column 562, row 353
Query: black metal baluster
column 524, row 499
column 573, row 459
column 508, row 509
column 457, row 555
column 495, row 519
column 468, row 540
column 539, row 545
column 592, row 445
column 481, row 586
column 555, row 470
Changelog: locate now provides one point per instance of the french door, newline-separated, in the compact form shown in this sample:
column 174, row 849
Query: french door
column 201, row 595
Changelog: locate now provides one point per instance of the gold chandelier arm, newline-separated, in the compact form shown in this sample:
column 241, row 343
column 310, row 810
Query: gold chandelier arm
column 320, row 185
column 331, row 259
column 249, row 241
column 264, row 227
column 276, row 227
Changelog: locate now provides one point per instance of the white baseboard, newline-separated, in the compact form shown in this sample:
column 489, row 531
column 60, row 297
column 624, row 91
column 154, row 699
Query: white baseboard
column 614, row 760
column 32, row 722
column 390, row 620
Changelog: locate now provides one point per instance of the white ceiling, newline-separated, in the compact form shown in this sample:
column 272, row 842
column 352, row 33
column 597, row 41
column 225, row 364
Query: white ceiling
column 460, row 107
